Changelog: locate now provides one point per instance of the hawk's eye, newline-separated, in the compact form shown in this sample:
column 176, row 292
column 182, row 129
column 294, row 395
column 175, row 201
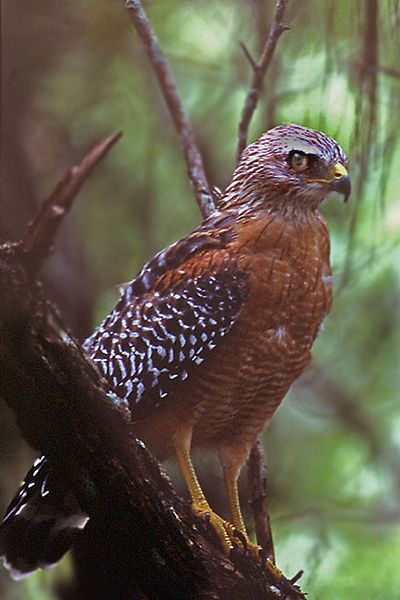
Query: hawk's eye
column 299, row 161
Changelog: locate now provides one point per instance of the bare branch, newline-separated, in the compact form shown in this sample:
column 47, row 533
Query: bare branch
column 180, row 119
column 260, row 69
column 39, row 239
column 248, row 55
column 258, row 500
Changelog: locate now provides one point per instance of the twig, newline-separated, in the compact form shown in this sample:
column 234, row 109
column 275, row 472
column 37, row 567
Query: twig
column 260, row 69
column 389, row 71
column 248, row 55
column 169, row 90
column 257, row 486
column 39, row 239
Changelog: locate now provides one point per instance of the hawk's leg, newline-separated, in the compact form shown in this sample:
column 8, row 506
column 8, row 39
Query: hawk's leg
column 234, row 503
column 225, row 530
column 232, row 464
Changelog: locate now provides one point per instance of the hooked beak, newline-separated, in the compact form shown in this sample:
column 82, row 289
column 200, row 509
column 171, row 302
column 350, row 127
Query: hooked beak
column 341, row 181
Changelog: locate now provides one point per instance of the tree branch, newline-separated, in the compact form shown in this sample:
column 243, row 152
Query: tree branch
column 248, row 55
column 258, row 499
column 39, row 239
column 259, row 71
column 180, row 119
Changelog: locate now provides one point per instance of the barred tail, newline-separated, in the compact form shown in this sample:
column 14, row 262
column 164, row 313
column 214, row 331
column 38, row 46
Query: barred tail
column 41, row 523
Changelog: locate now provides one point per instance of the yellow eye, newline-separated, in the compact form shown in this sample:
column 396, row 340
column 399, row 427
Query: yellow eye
column 299, row 161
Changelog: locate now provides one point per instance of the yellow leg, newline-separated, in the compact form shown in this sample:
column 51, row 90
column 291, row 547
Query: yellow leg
column 234, row 504
column 227, row 532
column 237, row 520
column 200, row 506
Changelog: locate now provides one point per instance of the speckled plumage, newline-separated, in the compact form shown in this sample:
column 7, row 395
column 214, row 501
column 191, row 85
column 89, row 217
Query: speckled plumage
column 206, row 341
column 169, row 319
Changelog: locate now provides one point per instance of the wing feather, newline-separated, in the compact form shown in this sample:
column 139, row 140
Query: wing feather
column 169, row 319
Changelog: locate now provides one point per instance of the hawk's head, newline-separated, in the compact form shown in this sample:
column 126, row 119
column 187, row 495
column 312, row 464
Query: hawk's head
column 290, row 166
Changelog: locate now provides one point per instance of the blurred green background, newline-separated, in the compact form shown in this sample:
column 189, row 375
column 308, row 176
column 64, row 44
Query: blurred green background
column 75, row 71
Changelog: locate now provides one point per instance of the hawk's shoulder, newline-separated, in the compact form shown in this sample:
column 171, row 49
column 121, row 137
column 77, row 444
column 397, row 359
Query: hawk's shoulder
column 171, row 316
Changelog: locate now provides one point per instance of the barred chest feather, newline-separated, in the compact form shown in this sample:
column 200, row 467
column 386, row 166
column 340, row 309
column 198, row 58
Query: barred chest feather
column 269, row 345
column 290, row 283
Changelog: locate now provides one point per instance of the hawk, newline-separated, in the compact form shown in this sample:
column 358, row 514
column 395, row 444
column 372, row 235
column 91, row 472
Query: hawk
column 207, row 339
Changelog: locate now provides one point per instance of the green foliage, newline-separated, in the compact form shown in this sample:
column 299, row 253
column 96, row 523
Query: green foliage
column 334, row 477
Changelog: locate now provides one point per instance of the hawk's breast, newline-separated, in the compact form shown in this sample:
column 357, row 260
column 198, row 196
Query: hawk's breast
column 269, row 346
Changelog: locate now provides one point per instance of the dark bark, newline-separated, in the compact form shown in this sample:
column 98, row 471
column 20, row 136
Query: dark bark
column 31, row 41
column 258, row 499
column 142, row 540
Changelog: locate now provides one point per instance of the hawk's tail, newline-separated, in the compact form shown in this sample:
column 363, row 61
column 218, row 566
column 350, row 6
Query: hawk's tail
column 41, row 523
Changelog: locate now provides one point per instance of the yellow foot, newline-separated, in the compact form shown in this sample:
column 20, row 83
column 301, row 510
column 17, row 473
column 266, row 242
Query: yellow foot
column 226, row 531
column 260, row 556
column 229, row 537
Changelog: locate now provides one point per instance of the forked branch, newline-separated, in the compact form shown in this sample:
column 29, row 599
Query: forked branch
column 41, row 233
column 259, row 71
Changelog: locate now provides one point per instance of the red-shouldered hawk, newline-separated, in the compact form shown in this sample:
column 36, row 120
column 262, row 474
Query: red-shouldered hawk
column 206, row 341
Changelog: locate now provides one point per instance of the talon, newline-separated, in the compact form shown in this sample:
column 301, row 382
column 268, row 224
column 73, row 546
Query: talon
column 223, row 529
column 261, row 557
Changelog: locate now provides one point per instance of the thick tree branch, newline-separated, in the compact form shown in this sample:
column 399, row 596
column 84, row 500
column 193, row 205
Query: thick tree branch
column 259, row 71
column 38, row 241
column 180, row 119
